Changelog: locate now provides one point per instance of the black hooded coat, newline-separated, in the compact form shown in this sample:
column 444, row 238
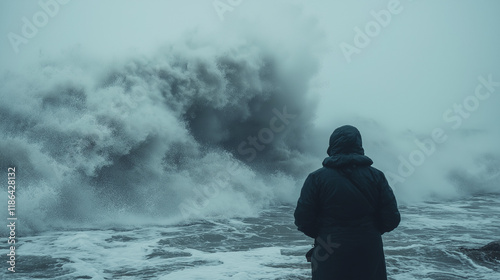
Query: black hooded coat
column 346, row 206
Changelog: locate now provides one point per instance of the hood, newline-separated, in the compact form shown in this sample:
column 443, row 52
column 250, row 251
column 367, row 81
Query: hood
column 346, row 148
column 345, row 140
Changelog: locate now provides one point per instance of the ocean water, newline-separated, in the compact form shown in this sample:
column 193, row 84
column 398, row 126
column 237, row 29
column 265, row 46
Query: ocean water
column 185, row 161
column 266, row 246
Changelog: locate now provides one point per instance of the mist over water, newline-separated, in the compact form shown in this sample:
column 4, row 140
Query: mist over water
column 141, row 135
column 218, row 125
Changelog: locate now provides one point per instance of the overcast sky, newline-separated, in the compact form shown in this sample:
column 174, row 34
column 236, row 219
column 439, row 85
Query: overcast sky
column 424, row 60
column 413, row 68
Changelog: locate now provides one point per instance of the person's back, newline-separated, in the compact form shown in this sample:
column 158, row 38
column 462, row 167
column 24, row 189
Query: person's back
column 346, row 206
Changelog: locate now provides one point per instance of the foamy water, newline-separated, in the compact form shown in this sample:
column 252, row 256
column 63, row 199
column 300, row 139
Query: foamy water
column 174, row 148
column 267, row 246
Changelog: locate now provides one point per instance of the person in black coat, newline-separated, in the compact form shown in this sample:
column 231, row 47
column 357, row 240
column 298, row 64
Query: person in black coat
column 346, row 206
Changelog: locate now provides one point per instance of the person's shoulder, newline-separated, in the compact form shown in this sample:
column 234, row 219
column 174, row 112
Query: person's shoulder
column 319, row 171
column 376, row 173
column 316, row 174
column 323, row 174
column 376, row 170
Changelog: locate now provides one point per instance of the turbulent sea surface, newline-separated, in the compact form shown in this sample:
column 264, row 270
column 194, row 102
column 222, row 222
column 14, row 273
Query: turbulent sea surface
column 183, row 160
column 267, row 246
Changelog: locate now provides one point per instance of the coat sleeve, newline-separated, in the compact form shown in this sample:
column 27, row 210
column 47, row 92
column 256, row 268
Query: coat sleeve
column 306, row 213
column 389, row 216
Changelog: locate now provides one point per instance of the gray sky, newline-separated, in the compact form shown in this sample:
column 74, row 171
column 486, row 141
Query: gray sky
column 424, row 60
column 398, row 85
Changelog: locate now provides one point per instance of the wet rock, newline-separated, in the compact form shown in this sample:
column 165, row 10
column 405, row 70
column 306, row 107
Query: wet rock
column 489, row 252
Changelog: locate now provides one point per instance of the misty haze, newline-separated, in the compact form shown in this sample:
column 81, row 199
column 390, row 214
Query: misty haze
column 171, row 139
